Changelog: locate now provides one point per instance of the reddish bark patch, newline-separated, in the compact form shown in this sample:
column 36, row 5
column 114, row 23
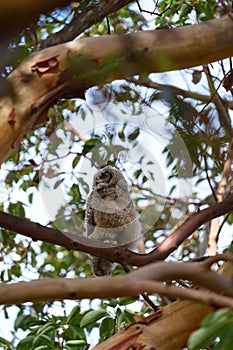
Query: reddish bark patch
column 127, row 342
column 45, row 64
column 11, row 117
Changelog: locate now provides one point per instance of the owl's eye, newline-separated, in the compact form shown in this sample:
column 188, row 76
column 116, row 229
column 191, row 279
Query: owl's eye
column 104, row 177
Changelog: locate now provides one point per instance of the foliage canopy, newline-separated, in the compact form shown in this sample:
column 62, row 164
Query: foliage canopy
column 170, row 134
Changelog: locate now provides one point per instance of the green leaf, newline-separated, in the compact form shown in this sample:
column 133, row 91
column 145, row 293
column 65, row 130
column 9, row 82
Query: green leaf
column 26, row 343
column 20, row 321
column 84, row 184
column 74, row 312
column 126, row 301
column 75, row 161
column 133, row 135
column 3, row 341
column 74, row 331
column 42, row 338
column 226, row 339
column 76, row 342
column 15, row 270
column 90, row 144
column 200, row 338
column 57, row 183
column 47, row 328
column 185, row 9
column 230, row 219
column 17, row 209
column 30, row 198
column 219, row 317
column 92, row 316
column 106, row 328
column 211, row 328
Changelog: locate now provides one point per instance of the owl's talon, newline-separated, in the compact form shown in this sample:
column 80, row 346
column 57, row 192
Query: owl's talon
column 112, row 243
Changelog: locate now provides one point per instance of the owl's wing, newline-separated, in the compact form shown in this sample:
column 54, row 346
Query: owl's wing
column 90, row 219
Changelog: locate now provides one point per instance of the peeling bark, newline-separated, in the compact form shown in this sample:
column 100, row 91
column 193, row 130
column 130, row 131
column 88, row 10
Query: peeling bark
column 75, row 66
column 169, row 332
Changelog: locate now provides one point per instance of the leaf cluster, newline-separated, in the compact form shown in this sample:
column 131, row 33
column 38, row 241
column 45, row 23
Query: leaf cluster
column 216, row 329
column 196, row 120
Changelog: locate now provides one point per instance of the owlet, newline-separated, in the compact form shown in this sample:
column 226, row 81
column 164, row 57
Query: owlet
column 111, row 216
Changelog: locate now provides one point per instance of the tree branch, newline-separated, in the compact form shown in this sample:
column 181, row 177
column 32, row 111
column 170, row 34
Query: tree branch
column 221, row 193
column 146, row 279
column 87, row 62
column 170, row 331
column 93, row 14
column 116, row 254
column 146, row 82
column 223, row 116
column 173, row 89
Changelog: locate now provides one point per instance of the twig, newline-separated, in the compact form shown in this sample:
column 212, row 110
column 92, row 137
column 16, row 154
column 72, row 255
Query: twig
column 208, row 179
column 74, row 131
column 223, row 116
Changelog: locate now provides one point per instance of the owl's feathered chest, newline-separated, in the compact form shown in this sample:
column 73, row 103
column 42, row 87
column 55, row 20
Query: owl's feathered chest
column 115, row 218
column 110, row 207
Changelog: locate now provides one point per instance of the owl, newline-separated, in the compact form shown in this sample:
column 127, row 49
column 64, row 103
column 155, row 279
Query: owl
column 111, row 216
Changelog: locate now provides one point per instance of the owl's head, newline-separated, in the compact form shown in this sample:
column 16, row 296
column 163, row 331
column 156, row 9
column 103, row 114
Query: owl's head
column 109, row 177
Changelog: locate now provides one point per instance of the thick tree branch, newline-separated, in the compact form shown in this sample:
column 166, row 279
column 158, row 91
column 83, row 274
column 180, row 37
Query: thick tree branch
column 75, row 66
column 117, row 254
column 146, row 279
column 93, row 14
column 170, row 331
column 167, row 330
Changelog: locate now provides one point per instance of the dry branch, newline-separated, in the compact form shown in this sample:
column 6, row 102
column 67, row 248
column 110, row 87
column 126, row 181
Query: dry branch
column 116, row 254
column 44, row 77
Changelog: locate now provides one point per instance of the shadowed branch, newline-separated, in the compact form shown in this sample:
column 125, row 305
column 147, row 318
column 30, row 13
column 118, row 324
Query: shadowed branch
column 116, row 254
